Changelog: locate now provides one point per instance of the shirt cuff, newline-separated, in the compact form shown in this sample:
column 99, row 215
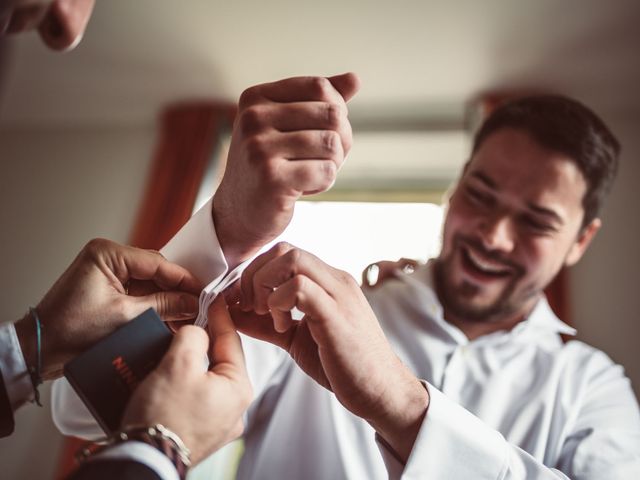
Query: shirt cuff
column 196, row 247
column 142, row 453
column 394, row 466
column 452, row 443
column 14, row 368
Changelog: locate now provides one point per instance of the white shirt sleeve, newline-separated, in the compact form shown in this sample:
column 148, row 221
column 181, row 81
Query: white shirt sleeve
column 14, row 369
column 454, row 444
column 142, row 453
column 195, row 247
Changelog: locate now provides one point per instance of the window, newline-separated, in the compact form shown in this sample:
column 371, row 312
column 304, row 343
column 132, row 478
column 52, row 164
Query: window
column 351, row 235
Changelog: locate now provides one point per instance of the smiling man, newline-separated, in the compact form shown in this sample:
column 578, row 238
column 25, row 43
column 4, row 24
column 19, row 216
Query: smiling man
column 517, row 217
column 456, row 371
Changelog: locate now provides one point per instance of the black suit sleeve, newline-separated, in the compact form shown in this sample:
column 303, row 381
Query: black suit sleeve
column 111, row 469
column 6, row 412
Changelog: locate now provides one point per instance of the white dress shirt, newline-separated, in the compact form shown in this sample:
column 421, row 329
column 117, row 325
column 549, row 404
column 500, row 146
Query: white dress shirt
column 509, row 405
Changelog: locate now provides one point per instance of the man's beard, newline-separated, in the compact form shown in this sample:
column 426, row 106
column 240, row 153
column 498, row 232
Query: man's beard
column 454, row 297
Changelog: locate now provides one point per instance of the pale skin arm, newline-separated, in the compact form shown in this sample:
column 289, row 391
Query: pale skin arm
column 204, row 408
column 90, row 300
column 289, row 139
column 338, row 343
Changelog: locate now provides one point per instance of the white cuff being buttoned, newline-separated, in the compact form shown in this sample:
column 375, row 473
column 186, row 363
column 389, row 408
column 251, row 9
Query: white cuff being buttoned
column 196, row 247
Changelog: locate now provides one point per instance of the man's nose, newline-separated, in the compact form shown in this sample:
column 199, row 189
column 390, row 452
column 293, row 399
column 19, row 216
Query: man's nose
column 498, row 234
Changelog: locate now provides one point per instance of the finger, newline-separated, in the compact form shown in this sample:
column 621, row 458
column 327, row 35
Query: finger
column 298, row 145
column 260, row 327
column 298, row 116
column 171, row 306
column 149, row 265
column 294, row 116
column 282, row 320
column 296, row 89
column 310, row 144
column 227, row 347
column 187, row 349
column 381, row 271
column 370, row 275
column 308, row 176
column 246, row 281
column 232, row 293
column 408, row 265
column 311, row 299
column 408, row 261
column 282, row 268
column 346, row 84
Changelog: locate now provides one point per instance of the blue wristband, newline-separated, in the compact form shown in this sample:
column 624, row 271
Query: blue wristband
column 36, row 372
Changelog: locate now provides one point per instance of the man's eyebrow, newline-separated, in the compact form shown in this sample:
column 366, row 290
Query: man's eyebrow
column 546, row 212
column 538, row 209
column 485, row 179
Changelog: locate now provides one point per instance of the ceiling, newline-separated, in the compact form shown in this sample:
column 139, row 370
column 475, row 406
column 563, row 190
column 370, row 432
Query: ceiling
column 419, row 61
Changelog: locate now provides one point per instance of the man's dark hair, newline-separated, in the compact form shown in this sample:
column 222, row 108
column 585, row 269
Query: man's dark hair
column 565, row 126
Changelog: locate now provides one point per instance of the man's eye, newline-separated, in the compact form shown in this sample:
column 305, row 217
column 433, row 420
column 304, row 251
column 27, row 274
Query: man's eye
column 537, row 226
column 478, row 197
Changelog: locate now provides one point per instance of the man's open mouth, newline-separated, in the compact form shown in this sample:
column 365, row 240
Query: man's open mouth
column 480, row 264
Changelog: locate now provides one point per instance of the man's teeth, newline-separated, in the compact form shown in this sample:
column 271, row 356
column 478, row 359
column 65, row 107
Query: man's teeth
column 486, row 265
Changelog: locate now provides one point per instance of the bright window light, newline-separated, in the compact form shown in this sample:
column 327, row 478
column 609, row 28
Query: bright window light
column 350, row 235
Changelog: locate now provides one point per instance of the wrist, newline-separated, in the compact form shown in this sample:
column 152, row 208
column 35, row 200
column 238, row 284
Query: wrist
column 401, row 421
column 228, row 230
column 157, row 436
column 26, row 332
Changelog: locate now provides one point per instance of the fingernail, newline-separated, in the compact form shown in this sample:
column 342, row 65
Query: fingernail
column 188, row 306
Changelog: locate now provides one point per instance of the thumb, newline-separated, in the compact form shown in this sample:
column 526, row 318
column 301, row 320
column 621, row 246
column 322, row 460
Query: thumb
column 260, row 327
column 347, row 84
column 171, row 306
column 189, row 341
column 226, row 346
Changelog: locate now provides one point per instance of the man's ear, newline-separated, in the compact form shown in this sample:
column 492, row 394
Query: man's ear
column 582, row 242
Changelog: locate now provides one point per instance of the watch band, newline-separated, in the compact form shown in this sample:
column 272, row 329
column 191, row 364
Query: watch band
column 158, row 436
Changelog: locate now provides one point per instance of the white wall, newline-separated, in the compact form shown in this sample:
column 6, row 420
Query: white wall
column 605, row 287
column 58, row 189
